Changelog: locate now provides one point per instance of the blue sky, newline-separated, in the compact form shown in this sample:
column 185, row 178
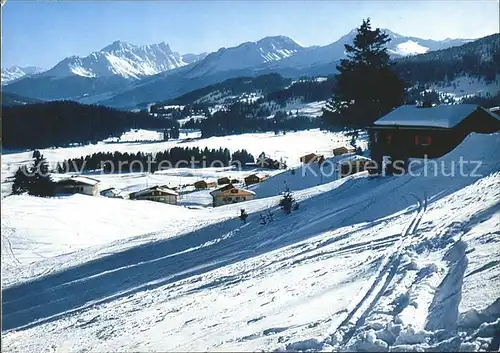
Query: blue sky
column 43, row 33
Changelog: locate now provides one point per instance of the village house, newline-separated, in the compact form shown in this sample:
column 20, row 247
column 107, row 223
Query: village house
column 418, row 132
column 157, row 194
column 110, row 192
column 77, row 184
column 201, row 184
column 311, row 158
column 343, row 150
column 221, row 189
column 354, row 164
column 252, row 179
column 230, row 194
column 223, row 181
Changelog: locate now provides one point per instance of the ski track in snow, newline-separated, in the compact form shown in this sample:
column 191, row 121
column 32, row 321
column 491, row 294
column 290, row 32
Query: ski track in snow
column 385, row 275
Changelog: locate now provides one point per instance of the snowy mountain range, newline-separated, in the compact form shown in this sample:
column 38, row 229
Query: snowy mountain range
column 399, row 46
column 245, row 55
column 124, row 75
column 123, row 59
column 14, row 73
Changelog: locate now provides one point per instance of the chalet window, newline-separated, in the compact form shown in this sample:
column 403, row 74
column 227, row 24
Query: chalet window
column 423, row 140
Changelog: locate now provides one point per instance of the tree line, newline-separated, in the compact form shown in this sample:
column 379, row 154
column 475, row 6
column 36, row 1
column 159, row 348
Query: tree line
column 307, row 90
column 241, row 117
column 61, row 123
column 175, row 157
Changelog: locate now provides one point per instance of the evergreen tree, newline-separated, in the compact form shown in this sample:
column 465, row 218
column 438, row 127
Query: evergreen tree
column 40, row 183
column 34, row 179
column 366, row 87
column 243, row 215
column 174, row 132
column 288, row 203
column 21, row 179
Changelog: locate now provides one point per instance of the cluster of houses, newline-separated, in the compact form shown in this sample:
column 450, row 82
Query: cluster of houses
column 78, row 184
column 227, row 193
column 351, row 164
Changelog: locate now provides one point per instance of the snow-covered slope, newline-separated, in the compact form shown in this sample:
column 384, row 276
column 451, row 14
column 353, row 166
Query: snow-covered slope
column 408, row 48
column 465, row 86
column 246, row 55
column 14, row 73
column 365, row 264
column 123, row 59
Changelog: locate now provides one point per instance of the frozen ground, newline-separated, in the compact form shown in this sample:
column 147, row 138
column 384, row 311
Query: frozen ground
column 405, row 263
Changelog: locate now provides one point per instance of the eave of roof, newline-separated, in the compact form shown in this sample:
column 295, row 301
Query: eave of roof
column 441, row 116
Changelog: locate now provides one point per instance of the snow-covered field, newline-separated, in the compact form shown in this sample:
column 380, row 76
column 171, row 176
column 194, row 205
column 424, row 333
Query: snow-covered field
column 464, row 86
column 290, row 147
column 408, row 263
column 312, row 110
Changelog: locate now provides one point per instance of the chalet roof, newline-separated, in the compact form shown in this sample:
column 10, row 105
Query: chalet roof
column 310, row 155
column 78, row 179
column 224, row 188
column 155, row 188
column 344, row 148
column 239, row 192
column 353, row 158
column 251, row 176
column 441, row 116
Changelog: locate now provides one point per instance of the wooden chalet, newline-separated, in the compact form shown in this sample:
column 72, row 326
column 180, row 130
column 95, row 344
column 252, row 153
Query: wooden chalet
column 156, row 193
column 110, row 192
column 343, row 150
column 77, row 184
column 415, row 132
column 354, row 164
column 311, row 158
column 229, row 194
column 223, row 181
column 252, row 179
column 201, row 184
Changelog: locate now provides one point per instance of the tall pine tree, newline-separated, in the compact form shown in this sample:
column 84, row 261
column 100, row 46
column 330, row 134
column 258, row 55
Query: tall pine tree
column 34, row 179
column 366, row 87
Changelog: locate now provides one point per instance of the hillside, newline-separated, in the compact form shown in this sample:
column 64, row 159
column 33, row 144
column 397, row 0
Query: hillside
column 479, row 59
column 364, row 264
column 62, row 123
column 12, row 99
column 232, row 87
